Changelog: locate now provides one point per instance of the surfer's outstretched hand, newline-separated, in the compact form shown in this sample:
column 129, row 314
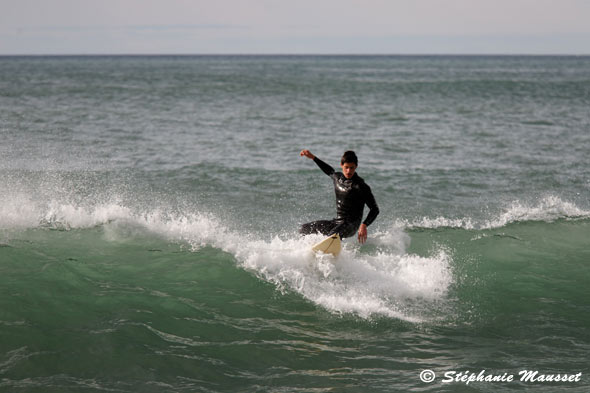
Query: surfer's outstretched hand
column 307, row 153
column 362, row 234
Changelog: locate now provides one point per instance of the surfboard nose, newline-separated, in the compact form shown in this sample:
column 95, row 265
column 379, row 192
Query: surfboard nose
column 330, row 245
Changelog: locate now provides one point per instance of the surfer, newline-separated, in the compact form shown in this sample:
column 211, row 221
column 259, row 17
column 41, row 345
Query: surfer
column 352, row 194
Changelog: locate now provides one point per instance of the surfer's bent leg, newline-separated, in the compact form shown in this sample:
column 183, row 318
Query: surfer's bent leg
column 324, row 227
column 330, row 227
column 345, row 229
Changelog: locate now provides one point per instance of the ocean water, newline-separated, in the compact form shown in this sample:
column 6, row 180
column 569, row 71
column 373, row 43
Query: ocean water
column 149, row 209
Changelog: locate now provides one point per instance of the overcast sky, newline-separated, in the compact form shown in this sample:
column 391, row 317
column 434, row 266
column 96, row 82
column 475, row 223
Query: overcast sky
column 294, row 26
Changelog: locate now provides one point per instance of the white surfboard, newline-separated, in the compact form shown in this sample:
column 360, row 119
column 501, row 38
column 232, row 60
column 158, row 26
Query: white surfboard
column 330, row 245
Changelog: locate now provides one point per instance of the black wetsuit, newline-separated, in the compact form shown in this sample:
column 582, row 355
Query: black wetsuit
column 351, row 197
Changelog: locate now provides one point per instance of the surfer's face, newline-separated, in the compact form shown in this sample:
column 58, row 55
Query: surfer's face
column 348, row 169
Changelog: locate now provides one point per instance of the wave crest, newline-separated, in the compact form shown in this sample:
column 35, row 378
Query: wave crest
column 548, row 209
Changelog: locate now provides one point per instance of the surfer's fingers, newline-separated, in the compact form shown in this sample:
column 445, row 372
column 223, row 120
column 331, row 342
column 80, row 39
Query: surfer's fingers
column 306, row 153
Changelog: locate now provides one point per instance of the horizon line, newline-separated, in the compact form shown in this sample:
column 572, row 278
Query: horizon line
column 293, row 54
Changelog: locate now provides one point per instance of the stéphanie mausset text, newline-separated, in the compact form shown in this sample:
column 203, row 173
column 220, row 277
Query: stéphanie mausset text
column 525, row 376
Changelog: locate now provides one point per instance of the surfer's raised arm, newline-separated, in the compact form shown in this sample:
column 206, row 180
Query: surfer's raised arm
column 327, row 169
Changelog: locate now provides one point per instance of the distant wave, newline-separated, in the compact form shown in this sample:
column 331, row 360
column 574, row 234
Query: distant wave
column 549, row 208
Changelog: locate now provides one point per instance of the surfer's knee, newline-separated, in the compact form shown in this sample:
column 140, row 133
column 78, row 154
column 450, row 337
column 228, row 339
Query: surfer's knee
column 307, row 229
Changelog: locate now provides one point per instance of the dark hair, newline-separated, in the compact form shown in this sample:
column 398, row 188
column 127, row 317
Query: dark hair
column 349, row 157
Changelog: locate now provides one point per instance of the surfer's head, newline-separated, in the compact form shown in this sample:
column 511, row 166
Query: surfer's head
column 349, row 163
column 349, row 157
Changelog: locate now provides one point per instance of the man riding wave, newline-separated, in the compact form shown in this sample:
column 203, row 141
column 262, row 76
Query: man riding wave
column 352, row 194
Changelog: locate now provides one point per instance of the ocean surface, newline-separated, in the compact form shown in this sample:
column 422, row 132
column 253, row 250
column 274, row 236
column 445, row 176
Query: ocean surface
column 149, row 213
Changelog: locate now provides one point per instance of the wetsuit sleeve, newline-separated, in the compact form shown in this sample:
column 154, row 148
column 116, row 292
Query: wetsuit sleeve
column 328, row 170
column 372, row 204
